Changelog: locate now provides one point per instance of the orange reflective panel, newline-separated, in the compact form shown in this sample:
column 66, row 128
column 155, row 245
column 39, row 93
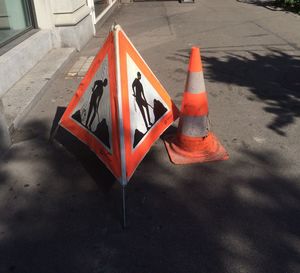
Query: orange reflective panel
column 147, row 107
column 92, row 115
column 120, row 108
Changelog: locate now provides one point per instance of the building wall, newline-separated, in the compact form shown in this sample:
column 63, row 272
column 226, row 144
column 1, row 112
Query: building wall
column 62, row 23
column 69, row 21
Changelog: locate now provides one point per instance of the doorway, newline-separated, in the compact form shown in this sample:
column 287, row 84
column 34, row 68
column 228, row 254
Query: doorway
column 100, row 8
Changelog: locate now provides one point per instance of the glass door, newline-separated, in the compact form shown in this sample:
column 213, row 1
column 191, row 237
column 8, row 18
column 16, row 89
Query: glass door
column 99, row 8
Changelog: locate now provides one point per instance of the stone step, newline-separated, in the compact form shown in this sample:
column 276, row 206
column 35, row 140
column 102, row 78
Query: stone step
column 20, row 99
column 24, row 94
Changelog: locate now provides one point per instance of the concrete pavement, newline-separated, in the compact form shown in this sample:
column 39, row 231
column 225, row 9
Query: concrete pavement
column 60, row 210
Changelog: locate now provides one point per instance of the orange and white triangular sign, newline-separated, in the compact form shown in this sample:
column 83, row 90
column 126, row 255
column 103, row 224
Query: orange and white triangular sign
column 120, row 108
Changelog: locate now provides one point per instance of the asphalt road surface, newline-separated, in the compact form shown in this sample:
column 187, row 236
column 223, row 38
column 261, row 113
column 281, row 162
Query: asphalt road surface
column 60, row 209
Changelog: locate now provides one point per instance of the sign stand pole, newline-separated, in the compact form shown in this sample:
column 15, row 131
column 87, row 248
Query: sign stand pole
column 52, row 136
column 124, row 207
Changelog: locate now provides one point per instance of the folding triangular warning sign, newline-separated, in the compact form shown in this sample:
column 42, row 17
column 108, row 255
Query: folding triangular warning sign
column 120, row 108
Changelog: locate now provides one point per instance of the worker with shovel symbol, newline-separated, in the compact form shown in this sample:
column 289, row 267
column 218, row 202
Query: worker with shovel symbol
column 97, row 92
column 138, row 93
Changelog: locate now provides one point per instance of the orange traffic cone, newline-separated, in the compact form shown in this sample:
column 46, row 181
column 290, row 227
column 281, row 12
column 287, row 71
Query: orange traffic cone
column 193, row 141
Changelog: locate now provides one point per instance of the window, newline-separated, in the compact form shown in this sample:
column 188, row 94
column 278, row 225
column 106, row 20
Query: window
column 16, row 18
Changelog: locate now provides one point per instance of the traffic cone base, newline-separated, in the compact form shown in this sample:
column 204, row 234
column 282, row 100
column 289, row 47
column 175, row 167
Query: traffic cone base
column 204, row 150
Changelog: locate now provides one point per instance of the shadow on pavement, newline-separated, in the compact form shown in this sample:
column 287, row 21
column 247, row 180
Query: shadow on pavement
column 258, row 2
column 213, row 217
column 94, row 167
column 274, row 5
column 273, row 77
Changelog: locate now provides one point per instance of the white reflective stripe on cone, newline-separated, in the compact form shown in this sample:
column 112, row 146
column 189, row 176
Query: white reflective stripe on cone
column 193, row 126
column 195, row 83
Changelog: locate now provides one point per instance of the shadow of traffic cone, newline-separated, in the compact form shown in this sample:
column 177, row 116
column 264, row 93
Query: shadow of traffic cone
column 193, row 141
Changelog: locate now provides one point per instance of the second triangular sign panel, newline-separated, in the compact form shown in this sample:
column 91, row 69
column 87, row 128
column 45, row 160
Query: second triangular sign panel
column 147, row 108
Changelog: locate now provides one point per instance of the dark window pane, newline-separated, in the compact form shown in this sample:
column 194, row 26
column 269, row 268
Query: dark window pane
column 14, row 19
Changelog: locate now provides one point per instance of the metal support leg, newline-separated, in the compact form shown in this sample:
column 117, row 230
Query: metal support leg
column 124, row 207
column 52, row 136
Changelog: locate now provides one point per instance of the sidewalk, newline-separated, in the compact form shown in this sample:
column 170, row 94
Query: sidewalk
column 61, row 210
